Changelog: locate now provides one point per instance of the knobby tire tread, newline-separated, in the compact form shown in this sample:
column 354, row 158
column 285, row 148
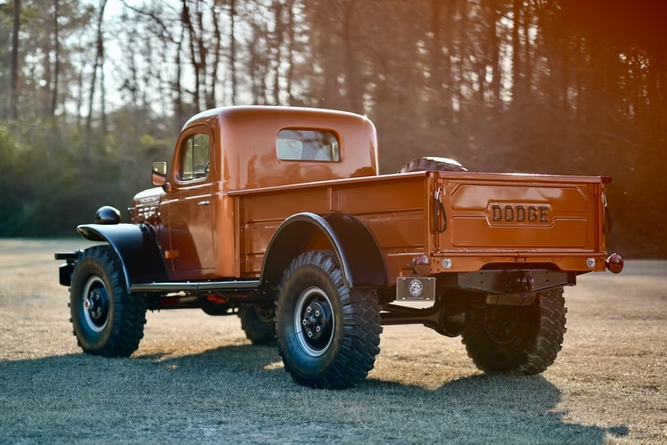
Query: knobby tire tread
column 129, row 309
column 256, row 330
column 537, row 348
column 361, row 332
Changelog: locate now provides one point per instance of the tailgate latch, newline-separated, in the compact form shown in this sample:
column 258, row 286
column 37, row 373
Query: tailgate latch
column 438, row 210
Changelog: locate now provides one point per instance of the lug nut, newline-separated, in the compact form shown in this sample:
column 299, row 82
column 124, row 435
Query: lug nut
column 317, row 313
column 310, row 333
column 309, row 309
column 304, row 322
column 318, row 329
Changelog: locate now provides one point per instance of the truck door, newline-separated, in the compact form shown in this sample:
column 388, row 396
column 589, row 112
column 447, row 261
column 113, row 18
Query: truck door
column 188, row 207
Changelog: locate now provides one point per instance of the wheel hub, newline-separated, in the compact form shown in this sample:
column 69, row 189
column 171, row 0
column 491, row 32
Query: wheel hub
column 502, row 326
column 314, row 321
column 96, row 304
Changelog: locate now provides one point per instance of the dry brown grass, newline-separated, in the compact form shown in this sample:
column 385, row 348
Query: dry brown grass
column 195, row 379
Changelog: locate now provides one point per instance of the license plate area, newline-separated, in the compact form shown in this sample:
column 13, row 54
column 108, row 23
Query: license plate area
column 415, row 288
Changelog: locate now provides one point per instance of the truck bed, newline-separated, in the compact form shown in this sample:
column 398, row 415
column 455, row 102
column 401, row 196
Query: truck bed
column 482, row 220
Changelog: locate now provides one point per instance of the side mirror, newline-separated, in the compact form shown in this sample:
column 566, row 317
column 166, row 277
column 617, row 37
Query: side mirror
column 159, row 174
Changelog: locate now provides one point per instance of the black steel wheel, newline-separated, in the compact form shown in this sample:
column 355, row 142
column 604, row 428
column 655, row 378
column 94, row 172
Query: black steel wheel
column 328, row 334
column 518, row 339
column 258, row 323
column 107, row 319
column 432, row 163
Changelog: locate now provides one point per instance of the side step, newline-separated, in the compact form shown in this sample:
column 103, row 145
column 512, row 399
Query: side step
column 191, row 287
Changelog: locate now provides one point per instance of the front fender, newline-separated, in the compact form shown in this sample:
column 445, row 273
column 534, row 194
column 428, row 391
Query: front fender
column 361, row 262
column 135, row 245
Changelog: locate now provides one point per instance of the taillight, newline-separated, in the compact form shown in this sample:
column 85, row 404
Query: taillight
column 420, row 264
column 614, row 263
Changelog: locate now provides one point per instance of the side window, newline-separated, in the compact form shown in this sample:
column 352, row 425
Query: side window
column 195, row 158
column 307, row 145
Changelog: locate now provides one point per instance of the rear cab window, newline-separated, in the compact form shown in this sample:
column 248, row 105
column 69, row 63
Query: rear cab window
column 307, row 145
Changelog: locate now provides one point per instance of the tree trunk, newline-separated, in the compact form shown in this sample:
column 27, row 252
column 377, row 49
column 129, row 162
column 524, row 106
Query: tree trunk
column 210, row 97
column 435, row 114
column 446, row 81
column 277, row 45
column 79, row 97
column 178, row 89
column 495, row 52
column 14, row 94
column 290, row 51
column 103, row 90
column 353, row 87
column 56, row 50
column 98, row 56
column 517, row 84
column 196, row 66
column 527, row 69
column 331, row 93
column 202, row 49
column 232, row 47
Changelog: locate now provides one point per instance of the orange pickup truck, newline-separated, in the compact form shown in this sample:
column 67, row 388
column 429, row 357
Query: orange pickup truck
column 279, row 215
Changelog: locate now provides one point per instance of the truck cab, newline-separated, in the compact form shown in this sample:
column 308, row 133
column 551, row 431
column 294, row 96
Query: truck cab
column 244, row 148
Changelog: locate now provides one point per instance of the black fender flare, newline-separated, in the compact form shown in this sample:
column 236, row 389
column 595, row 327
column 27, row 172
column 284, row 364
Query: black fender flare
column 357, row 250
column 136, row 247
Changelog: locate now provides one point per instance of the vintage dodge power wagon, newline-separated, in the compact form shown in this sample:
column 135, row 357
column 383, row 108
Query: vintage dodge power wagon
column 279, row 215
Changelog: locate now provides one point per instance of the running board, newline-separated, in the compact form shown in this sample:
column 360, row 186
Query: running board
column 190, row 287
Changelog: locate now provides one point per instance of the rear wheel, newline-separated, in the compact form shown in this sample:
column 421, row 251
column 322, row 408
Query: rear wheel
column 258, row 324
column 328, row 334
column 517, row 339
column 107, row 319
column 432, row 163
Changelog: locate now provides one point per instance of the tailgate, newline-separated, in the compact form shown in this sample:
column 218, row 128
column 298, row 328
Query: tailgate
column 538, row 218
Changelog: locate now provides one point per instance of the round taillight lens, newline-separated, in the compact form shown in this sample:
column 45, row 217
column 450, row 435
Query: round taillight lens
column 614, row 263
column 420, row 264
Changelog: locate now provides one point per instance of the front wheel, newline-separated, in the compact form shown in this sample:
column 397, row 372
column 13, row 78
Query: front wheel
column 518, row 339
column 328, row 334
column 107, row 319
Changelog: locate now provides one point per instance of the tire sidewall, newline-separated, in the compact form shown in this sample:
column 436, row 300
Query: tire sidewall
column 258, row 328
column 90, row 340
column 527, row 328
column 301, row 363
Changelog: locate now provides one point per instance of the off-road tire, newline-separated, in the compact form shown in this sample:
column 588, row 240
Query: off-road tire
column 517, row 339
column 113, row 329
column 350, row 335
column 432, row 163
column 258, row 323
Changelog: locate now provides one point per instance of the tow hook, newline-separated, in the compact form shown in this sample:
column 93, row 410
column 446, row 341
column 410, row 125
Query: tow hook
column 519, row 282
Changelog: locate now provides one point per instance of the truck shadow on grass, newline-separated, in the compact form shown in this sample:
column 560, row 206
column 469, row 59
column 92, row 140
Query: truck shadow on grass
column 497, row 408
column 242, row 394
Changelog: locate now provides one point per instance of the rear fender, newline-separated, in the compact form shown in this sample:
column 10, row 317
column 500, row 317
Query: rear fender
column 135, row 245
column 358, row 253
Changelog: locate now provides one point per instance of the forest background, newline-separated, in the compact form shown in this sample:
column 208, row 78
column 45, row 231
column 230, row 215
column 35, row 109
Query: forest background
column 92, row 92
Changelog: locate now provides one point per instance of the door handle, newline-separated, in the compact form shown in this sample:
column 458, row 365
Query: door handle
column 203, row 203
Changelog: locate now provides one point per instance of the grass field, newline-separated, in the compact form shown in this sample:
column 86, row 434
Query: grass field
column 196, row 379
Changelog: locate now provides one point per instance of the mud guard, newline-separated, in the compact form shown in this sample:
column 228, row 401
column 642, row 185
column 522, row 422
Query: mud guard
column 356, row 248
column 135, row 245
